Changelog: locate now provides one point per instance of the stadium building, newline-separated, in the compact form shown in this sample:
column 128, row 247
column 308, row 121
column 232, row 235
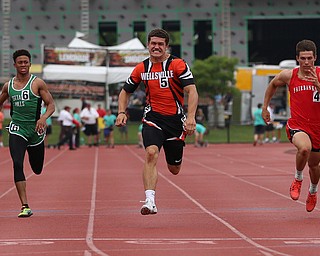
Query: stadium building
column 253, row 31
column 199, row 28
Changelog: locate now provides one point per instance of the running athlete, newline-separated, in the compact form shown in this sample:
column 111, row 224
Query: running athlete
column 27, row 127
column 303, row 128
column 166, row 79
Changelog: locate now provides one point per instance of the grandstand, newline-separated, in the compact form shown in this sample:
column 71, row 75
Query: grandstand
column 199, row 28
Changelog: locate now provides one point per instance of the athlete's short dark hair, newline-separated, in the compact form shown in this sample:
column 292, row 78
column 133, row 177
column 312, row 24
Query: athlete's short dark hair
column 21, row 52
column 306, row 45
column 159, row 32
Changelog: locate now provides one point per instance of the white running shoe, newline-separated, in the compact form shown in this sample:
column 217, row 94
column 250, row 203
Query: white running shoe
column 149, row 207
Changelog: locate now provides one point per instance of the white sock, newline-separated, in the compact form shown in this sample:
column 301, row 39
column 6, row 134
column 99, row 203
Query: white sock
column 313, row 188
column 299, row 175
column 150, row 194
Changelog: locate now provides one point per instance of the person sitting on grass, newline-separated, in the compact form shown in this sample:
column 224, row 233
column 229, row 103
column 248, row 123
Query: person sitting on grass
column 200, row 131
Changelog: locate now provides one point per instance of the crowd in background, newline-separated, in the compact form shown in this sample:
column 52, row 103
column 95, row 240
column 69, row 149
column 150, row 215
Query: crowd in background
column 266, row 133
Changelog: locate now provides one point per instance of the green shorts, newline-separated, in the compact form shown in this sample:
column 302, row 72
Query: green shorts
column 26, row 131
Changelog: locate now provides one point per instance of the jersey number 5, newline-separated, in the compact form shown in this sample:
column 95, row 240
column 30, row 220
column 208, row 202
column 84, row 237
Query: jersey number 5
column 164, row 82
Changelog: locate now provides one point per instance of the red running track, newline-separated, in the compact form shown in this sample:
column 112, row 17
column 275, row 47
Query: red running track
column 228, row 200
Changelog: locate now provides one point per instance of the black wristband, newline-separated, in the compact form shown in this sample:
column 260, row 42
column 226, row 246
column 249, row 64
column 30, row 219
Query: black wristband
column 122, row 113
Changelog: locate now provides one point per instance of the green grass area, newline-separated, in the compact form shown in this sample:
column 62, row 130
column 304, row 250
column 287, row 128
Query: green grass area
column 235, row 134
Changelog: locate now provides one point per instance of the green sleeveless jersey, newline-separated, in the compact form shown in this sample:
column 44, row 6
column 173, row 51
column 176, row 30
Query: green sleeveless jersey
column 25, row 105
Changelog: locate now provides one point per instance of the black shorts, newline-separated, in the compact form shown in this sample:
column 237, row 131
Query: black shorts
column 91, row 129
column 269, row 127
column 259, row 129
column 173, row 148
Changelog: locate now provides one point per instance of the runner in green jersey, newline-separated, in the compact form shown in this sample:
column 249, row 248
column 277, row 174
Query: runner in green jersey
column 27, row 127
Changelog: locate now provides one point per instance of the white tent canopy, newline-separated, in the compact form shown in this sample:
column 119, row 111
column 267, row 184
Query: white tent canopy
column 100, row 74
column 108, row 75
column 79, row 43
column 132, row 44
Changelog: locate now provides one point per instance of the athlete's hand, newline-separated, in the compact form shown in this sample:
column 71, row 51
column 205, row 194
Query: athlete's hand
column 121, row 120
column 41, row 125
column 266, row 115
column 311, row 76
column 189, row 125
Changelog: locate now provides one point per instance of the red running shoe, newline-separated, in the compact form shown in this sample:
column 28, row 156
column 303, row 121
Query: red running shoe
column 295, row 189
column 311, row 202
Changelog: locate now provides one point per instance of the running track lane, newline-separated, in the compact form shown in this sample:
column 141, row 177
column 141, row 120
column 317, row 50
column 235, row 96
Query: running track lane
column 228, row 200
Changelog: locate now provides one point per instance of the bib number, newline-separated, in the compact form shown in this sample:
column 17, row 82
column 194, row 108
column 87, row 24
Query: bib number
column 316, row 96
column 13, row 127
column 164, row 82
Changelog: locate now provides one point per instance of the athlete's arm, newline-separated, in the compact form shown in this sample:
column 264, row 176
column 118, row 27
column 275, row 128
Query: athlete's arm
column 190, row 123
column 280, row 79
column 48, row 101
column 123, row 102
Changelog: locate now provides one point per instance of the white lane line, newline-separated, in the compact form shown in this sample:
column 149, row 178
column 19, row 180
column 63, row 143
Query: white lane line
column 262, row 249
column 245, row 181
column 89, row 236
column 305, row 240
column 32, row 174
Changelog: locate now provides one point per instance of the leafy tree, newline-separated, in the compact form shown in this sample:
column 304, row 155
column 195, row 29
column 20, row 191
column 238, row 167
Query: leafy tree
column 214, row 75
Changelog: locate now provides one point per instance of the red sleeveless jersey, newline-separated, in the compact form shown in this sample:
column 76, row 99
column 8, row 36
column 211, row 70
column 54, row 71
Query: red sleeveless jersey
column 304, row 99
column 164, row 84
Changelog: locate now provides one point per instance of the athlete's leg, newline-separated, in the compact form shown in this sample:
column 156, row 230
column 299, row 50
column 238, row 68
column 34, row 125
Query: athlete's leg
column 302, row 142
column 152, row 140
column 150, row 175
column 174, row 151
column 36, row 157
column 18, row 146
column 314, row 169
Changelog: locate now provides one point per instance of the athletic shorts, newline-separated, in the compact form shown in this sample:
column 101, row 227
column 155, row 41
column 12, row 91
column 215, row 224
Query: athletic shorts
column 312, row 129
column 107, row 131
column 173, row 149
column 27, row 132
column 166, row 132
column 259, row 129
column 269, row 127
column 90, row 129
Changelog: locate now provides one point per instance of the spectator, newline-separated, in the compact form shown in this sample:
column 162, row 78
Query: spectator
column 76, row 129
column 109, row 121
column 259, row 126
column 102, row 112
column 67, row 126
column 199, row 133
column 89, row 117
column 200, row 117
column 269, row 129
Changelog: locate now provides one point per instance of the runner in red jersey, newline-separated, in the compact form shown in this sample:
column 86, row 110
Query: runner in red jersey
column 166, row 79
column 303, row 128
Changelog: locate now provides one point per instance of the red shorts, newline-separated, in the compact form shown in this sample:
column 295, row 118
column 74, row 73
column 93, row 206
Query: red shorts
column 312, row 129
